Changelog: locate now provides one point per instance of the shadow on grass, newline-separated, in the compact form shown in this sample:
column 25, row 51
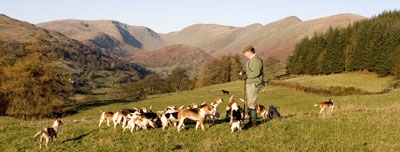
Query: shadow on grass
column 84, row 106
column 79, row 137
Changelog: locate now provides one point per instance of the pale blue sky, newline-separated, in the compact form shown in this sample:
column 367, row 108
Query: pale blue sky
column 165, row 16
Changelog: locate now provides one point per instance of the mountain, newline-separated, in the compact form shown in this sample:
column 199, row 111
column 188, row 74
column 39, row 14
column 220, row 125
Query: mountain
column 172, row 56
column 112, row 36
column 17, row 34
column 274, row 39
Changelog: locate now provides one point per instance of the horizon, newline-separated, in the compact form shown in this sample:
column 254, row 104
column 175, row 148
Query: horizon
column 166, row 16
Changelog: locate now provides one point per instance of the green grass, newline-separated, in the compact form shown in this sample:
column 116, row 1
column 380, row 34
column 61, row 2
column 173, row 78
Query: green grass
column 359, row 123
column 104, row 78
column 362, row 80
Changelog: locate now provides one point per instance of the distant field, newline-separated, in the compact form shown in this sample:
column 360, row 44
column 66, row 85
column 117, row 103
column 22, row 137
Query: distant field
column 362, row 80
column 359, row 123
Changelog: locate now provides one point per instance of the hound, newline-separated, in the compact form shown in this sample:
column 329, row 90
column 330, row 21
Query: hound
column 194, row 114
column 329, row 104
column 228, row 109
column 139, row 121
column 50, row 132
column 169, row 118
column 125, row 113
column 115, row 117
column 236, row 118
column 262, row 111
column 225, row 92
column 215, row 104
column 170, row 115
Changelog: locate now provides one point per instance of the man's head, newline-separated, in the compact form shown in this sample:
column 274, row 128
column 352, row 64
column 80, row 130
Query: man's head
column 249, row 51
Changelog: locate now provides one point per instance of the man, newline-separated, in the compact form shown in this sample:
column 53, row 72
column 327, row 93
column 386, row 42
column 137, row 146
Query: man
column 254, row 81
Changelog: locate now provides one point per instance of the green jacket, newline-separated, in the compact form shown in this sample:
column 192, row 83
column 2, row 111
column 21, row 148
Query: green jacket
column 254, row 70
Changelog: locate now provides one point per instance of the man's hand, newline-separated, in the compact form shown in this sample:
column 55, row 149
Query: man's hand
column 241, row 73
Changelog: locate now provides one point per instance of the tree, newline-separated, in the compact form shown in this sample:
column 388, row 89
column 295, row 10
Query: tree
column 152, row 84
column 33, row 88
column 271, row 66
column 178, row 79
column 128, row 91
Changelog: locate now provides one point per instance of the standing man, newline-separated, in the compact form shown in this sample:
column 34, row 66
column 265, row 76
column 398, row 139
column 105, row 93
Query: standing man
column 254, row 81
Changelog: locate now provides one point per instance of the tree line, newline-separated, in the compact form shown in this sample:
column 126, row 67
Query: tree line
column 220, row 70
column 177, row 80
column 372, row 44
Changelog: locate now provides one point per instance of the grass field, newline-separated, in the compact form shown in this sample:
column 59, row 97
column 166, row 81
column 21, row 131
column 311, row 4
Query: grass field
column 358, row 123
column 367, row 81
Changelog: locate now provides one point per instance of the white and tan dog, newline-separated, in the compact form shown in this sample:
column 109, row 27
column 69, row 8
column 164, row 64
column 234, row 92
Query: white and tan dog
column 194, row 114
column 50, row 132
column 262, row 111
column 138, row 121
column 215, row 104
column 323, row 105
column 236, row 117
column 111, row 116
column 169, row 116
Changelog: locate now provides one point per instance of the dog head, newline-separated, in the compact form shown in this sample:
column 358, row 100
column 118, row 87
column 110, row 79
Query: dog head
column 193, row 106
column 231, row 102
column 57, row 123
column 143, row 110
column 217, row 101
column 235, row 106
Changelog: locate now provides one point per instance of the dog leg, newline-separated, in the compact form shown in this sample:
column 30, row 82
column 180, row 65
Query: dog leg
column 40, row 142
column 101, row 121
column 321, row 110
column 202, row 124
column 47, row 141
column 197, row 125
column 108, row 122
column 232, row 128
column 180, row 124
column 115, row 123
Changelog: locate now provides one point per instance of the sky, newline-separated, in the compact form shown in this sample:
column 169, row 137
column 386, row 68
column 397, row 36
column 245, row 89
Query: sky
column 165, row 16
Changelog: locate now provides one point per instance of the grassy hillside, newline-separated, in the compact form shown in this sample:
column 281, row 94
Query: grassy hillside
column 367, row 81
column 359, row 123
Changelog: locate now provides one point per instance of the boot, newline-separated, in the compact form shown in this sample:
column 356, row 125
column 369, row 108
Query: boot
column 253, row 117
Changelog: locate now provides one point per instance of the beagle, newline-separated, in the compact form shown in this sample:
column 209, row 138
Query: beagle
column 236, row 118
column 195, row 114
column 215, row 104
column 329, row 104
column 50, row 132
column 115, row 117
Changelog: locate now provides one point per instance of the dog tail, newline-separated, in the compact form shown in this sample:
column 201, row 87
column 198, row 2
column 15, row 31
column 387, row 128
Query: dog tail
column 315, row 105
column 230, row 98
column 40, row 132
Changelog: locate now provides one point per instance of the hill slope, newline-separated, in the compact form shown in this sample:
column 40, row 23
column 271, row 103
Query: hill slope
column 274, row 39
column 172, row 55
column 18, row 33
column 113, row 36
column 351, row 127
